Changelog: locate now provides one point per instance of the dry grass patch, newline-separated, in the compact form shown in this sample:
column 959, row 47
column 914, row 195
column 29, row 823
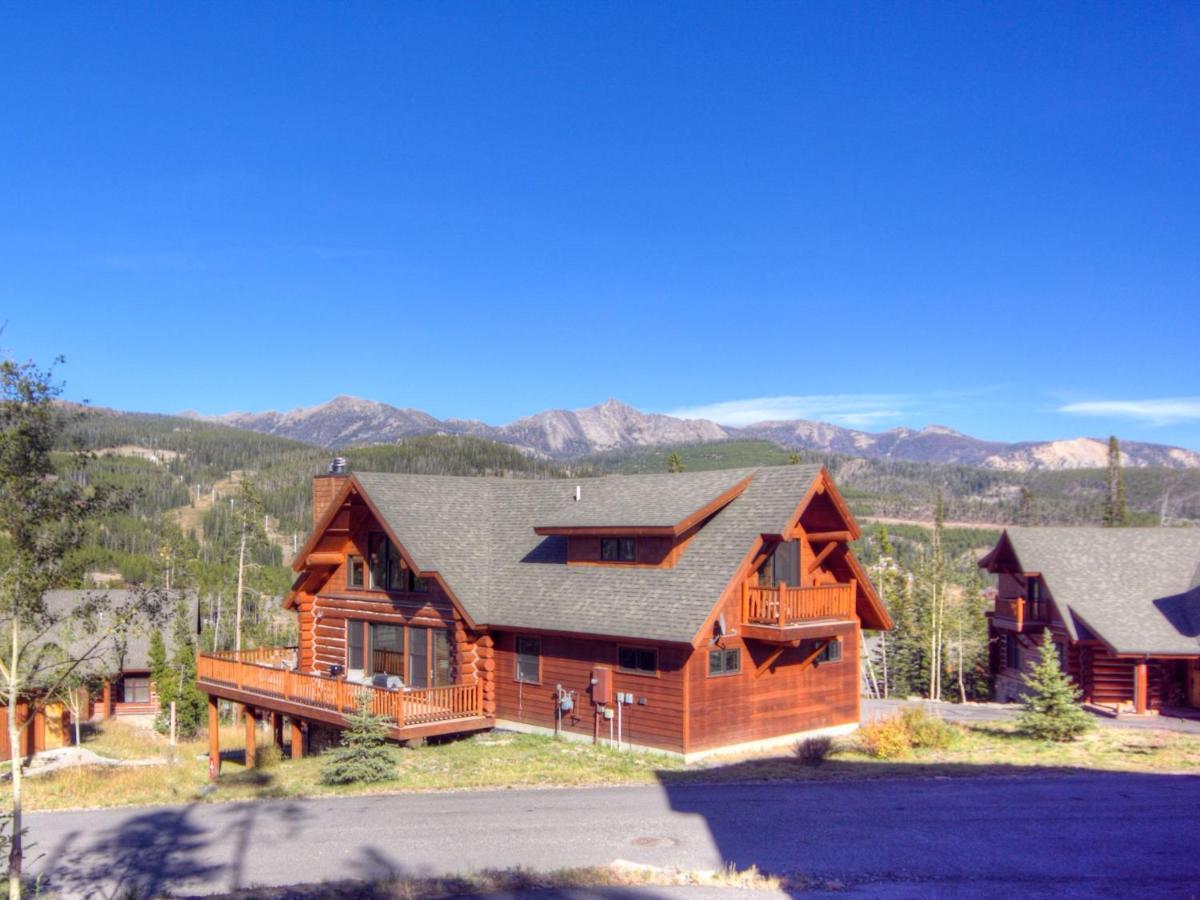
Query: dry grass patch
column 515, row 882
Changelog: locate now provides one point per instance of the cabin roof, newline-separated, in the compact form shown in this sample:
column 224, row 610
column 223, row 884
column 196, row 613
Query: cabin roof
column 478, row 535
column 129, row 651
column 1137, row 589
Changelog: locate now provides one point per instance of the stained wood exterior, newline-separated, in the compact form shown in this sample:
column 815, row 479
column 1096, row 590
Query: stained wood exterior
column 763, row 666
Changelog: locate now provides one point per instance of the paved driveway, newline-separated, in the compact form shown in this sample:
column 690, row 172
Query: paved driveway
column 999, row 712
column 1111, row 835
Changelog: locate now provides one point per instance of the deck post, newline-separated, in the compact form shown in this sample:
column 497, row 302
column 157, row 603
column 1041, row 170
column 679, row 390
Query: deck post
column 1140, row 687
column 277, row 729
column 297, row 738
column 107, row 710
column 251, row 736
column 782, row 588
column 214, row 738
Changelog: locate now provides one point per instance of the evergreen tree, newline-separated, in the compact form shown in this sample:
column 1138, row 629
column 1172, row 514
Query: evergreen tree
column 1051, row 708
column 899, row 657
column 674, row 463
column 1116, row 510
column 363, row 755
column 793, row 459
column 157, row 657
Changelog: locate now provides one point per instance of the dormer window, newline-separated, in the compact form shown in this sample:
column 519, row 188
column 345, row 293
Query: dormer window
column 618, row 549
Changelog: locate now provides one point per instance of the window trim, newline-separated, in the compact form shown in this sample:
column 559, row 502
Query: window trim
column 517, row 654
column 645, row 673
column 725, row 672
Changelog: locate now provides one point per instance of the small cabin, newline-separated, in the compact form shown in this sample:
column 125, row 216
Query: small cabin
column 686, row 613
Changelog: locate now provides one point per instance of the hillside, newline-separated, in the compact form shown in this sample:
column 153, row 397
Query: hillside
column 615, row 426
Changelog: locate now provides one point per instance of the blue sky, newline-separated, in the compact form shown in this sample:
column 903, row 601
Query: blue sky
column 985, row 216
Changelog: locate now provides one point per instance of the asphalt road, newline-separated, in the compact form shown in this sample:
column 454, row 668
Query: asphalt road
column 1088, row 835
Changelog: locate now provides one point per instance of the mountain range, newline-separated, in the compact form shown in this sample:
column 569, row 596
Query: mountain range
column 614, row 426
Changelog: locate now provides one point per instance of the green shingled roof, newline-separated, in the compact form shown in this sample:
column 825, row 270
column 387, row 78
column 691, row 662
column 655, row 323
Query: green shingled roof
column 1138, row 589
column 478, row 533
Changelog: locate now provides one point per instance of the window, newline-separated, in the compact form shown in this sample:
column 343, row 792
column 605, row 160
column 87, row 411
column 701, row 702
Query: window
column 783, row 565
column 355, row 573
column 1012, row 652
column 831, row 652
column 725, row 662
column 618, row 549
column 387, row 649
column 389, row 571
column 419, row 655
column 529, row 660
column 137, row 690
column 355, row 641
column 1034, row 589
column 637, row 659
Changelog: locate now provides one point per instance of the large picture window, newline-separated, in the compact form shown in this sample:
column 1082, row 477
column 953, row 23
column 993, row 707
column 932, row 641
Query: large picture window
column 783, row 565
column 529, row 660
column 420, row 656
column 388, row 570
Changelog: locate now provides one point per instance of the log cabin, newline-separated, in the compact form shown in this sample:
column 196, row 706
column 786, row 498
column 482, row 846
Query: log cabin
column 686, row 613
column 1121, row 604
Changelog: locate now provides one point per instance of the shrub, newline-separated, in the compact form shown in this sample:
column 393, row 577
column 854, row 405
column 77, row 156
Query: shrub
column 885, row 739
column 268, row 757
column 363, row 755
column 926, row 731
column 814, row 750
column 1052, row 711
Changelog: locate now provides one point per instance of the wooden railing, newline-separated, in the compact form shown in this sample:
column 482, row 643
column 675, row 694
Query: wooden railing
column 1022, row 611
column 783, row 605
column 266, row 673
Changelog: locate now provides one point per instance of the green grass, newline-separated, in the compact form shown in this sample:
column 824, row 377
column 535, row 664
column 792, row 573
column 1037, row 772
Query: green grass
column 504, row 760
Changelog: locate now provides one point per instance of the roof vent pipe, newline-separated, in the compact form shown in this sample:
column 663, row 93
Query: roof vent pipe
column 578, row 492
column 338, row 466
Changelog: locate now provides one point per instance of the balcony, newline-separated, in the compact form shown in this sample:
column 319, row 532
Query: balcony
column 265, row 678
column 1019, row 614
column 785, row 614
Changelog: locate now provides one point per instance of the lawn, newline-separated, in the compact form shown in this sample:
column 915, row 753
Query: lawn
column 503, row 760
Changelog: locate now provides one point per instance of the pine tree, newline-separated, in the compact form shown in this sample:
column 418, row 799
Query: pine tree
column 793, row 459
column 1116, row 511
column 363, row 755
column 190, row 704
column 674, row 463
column 1051, row 708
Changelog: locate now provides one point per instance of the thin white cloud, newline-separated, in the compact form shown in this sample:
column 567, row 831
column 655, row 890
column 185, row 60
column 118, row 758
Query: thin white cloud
column 851, row 410
column 1163, row 411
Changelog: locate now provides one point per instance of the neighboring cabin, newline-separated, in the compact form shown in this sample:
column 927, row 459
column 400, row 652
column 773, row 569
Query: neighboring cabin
column 694, row 611
column 1122, row 604
column 121, row 668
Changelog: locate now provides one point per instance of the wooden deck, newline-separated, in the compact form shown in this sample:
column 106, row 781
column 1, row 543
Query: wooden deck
column 788, row 614
column 265, row 679
column 1019, row 613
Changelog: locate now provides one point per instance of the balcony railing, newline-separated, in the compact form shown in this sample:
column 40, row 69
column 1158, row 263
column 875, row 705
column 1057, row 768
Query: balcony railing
column 1023, row 612
column 269, row 673
column 784, row 606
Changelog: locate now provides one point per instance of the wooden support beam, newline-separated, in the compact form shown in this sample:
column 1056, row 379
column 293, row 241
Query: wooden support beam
column 277, row 729
column 251, row 716
column 811, row 658
column 107, row 710
column 770, row 660
column 822, row 556
column 298, row 730
column 822, row 536
column 214, row 738
column 1141, row 687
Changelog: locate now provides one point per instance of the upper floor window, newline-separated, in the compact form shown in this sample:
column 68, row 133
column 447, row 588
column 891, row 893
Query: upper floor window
column 388, row 570
column 642, row 660
column 355, row 572
column 618, row 549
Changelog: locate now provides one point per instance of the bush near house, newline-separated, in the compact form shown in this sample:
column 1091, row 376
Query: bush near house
column 363, row 756
column 1051, row 708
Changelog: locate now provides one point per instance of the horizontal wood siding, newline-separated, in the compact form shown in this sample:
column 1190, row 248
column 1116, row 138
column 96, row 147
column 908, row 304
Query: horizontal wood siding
column 569, row 661
column 1108, row 680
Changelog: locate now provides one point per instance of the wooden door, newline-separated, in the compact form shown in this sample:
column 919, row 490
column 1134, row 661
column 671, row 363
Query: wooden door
column 54, row 726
